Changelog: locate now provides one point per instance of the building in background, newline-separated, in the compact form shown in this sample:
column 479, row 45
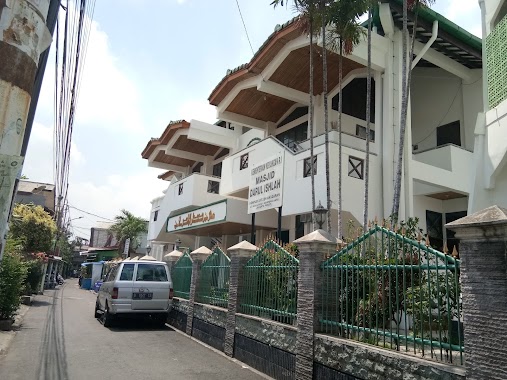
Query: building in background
column 37, row 193
column 102, row 239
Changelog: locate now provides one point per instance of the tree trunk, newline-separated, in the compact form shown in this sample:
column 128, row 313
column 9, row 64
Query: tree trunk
column 326, row 116
column 340, row 103
column 403, row 116
column 368, row 112
column 310, row 123
column 405, row 99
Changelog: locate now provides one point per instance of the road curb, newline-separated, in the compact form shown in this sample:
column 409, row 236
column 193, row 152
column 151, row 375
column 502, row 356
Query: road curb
column 236, row 361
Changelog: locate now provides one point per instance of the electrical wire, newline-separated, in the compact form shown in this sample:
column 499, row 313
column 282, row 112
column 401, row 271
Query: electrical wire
column 244, row 26
column 89, row 213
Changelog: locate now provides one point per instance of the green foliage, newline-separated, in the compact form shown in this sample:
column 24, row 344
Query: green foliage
column 33, row 276
column 128, row 226
column 12, row 276
column 33, row 228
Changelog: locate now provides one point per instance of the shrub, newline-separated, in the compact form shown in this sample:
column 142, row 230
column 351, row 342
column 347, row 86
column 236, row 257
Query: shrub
column 12, row 276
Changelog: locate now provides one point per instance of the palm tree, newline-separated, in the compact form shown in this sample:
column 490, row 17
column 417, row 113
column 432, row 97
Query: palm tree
column 324, row 5
column 347, row 32
column 406, row 79
column 307, row 23
column 368, row 114
column 128, row 226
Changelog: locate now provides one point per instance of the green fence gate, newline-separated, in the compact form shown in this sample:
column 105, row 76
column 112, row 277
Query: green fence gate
column 213, row 285
column 182, row 276
column 391, row 291
column 270, row 284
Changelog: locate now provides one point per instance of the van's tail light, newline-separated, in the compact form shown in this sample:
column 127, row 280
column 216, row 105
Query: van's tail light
column 171, row 293
column 115, row 293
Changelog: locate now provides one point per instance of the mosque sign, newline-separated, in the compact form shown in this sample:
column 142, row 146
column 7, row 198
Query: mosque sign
column 266, row 184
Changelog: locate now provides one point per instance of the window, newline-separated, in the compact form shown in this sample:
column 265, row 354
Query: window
column 127, row 273
column 434, row 228
column 151, row 272
column 450, row 235
column 243, row 164
column 361, row 133
column 112, row 273
column 354, row 99
column 180, row 189
column 155, row 216
column 300, row 226
column 356, row 167
column 449, row 134
column 294, row 135
column 307, row 167
column 217, row 170
column 213, row 187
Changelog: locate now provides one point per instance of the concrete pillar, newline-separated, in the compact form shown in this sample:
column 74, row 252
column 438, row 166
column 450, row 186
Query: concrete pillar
column 483, row 253
column 44, row 270
column 51, row 263
column 198, row 256
column 171, row 258
column 23, row 36
column 239, row 255
column 312, row 252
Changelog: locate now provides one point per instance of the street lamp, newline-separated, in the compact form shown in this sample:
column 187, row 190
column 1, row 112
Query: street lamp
column 320, row 215
column 79, row 217
column 177, row 244
column 148, row 250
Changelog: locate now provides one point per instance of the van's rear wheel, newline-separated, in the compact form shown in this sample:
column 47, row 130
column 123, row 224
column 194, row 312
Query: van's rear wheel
column 97, row 314
column 107, row 318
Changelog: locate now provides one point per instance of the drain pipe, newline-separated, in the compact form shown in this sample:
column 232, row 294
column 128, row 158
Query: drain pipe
column 434, row 35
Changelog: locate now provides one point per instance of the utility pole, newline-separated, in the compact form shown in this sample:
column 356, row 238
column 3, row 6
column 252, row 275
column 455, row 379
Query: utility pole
column 23, row 37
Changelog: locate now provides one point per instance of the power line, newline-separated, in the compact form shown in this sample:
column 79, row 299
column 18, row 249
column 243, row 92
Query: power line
column 244, row 25
column 89, row 213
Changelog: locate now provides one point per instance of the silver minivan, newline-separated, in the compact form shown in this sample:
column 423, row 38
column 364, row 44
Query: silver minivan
column 135, row 288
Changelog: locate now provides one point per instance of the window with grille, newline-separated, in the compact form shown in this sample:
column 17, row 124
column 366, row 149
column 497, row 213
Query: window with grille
column 243, row 164
column 356, row 167
column 361, row 133
column 180, row 189
column 217, row 170
column 307, row 167
column 213, row 187
column 155, row 216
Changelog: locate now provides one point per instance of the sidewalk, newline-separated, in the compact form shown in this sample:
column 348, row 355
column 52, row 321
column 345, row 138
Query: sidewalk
column 6, row 337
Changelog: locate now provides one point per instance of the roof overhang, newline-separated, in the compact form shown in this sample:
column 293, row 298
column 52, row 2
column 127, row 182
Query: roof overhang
column 452, row 41
column 181, row 146
column 277, row 78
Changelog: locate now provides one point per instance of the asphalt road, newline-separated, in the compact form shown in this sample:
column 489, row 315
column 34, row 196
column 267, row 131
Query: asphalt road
column 60, row 339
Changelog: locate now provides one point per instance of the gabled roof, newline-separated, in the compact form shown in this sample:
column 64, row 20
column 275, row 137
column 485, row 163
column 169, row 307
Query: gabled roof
column 274, row 43
column 169, row 132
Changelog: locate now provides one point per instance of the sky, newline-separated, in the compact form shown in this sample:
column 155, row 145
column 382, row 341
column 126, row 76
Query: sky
column 149, row 62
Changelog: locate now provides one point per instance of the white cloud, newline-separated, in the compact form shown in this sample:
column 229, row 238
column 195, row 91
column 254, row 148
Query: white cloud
column 199, row 110
column 39, row 162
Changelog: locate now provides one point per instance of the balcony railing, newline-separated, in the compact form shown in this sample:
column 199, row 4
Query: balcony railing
column 496, row 64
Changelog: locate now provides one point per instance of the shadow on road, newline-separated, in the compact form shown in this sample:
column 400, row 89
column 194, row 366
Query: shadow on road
column 39, row 303
column 125, row 324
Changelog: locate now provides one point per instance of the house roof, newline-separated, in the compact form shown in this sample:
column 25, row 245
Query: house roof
column 169, row 131
column 29, row 186
column 453, row 41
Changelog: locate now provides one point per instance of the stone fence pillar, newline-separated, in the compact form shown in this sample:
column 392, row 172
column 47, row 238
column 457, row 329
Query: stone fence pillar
column 171, row 258
column 198, row 256
column 483, row 253
column 312, row 252
column 239, row 255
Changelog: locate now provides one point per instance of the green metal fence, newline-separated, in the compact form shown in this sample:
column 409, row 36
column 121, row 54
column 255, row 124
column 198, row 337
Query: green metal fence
column 394, row 292
column 270, row 284
column 182, row 275
column 213, row 285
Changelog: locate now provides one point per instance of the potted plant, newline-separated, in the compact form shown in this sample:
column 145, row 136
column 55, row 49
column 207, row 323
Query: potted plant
column 12, row 277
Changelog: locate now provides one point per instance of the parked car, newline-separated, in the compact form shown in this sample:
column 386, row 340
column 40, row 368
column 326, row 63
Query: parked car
column 135, row 288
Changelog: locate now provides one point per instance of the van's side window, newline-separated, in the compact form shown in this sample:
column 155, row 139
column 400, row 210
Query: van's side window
column 112, row 273
column 151, row 272
column 127, row 273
